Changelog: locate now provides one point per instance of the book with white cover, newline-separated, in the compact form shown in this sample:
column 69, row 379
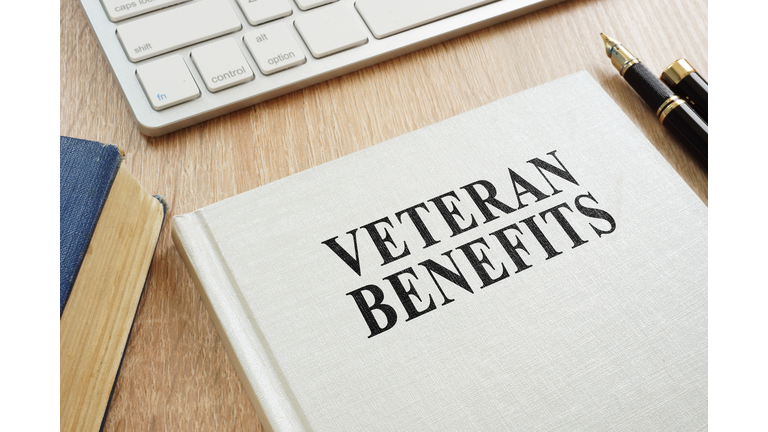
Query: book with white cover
column 533, row 264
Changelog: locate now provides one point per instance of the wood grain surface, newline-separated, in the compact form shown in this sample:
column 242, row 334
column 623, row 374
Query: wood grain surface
column 176, row 374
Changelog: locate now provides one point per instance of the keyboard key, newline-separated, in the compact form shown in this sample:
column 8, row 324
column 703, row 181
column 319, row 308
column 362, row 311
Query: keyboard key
column 118, row 10
column 309, row 4
column 176, row 28
column 167, row 82
column 331, row 30
column 274, row 48
column 388, row 17
column 222, row 65
column 261, row 11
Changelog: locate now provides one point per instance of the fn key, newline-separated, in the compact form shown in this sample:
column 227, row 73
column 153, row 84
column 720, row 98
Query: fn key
column 167, row 82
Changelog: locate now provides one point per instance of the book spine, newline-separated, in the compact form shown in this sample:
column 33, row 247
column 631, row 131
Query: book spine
column 276, row 407
column 87, row 170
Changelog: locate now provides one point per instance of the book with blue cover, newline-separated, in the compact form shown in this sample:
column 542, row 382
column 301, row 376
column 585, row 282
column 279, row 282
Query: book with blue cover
column 109, row 230
column 86, row 172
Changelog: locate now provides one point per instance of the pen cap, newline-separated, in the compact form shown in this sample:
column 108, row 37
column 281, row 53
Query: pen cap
column 683, row 79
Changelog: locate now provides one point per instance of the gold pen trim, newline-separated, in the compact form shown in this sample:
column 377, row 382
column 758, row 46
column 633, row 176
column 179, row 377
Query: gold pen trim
column 672, row 105
column 629, row 63
column 675, row 72
column 622, row 59
column 666, row 102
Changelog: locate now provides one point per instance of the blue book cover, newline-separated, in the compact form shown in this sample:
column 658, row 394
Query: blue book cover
column 86, row 172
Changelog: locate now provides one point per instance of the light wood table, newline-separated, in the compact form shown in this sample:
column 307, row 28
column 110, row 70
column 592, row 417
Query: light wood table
column 176, row 374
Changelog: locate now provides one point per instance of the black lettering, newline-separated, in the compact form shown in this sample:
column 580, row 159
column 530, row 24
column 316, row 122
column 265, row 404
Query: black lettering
column 596, row 214
column 381, row 242
column 450, row 214
column 353, row 263
column 457, row 278
column 413, row 213
column 540, row 237
column 478, row 262
column 483, row 203
column 406, row 294
column 564, row 224
column 561, row 172
column 512, row 249
column 378, row 304
column 527, row 188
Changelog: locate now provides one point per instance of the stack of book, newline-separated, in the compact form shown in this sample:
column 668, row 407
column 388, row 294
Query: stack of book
column 109, row 227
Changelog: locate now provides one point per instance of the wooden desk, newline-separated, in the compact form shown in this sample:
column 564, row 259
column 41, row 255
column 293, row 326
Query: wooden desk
column 176, row 374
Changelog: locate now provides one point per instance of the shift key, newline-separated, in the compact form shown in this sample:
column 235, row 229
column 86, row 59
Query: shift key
column 176, row 28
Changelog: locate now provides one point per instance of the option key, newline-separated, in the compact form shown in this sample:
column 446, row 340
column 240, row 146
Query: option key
column 275, row 48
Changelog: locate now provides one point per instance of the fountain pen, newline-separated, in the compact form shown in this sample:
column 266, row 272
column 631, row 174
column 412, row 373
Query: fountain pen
column 673, row 112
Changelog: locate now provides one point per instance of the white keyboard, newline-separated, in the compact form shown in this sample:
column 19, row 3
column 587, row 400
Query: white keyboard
column 181, row 62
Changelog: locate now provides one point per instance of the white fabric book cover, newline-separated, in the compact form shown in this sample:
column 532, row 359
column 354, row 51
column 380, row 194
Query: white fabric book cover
column 530, row 265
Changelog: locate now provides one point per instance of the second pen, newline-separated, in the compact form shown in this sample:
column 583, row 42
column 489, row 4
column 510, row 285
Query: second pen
column 673, row 112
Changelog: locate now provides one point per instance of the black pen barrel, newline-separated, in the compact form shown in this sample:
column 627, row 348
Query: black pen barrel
column 696, row 91
column 646, row 84
column 690, row 128
column 673, row 112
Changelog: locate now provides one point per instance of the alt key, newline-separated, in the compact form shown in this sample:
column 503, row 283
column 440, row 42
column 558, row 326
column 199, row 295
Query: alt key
column 274, row 48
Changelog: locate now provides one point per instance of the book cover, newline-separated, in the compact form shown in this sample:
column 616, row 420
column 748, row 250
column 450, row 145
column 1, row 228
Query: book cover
column 86, row 172
column 533, row 264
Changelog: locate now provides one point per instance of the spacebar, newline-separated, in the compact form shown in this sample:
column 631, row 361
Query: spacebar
column 388, row 17
column 176, row 28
